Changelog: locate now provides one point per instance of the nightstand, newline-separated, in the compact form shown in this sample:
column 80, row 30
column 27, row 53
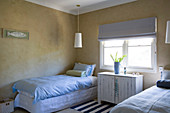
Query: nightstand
column 115, row 88
column 6, row 105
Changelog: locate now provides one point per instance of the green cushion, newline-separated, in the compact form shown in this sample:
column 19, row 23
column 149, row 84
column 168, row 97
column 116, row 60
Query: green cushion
column 77, row 73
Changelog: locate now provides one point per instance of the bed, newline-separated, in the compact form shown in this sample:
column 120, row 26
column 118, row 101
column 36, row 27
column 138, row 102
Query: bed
column 152, row 100
column 54, row 93
column 155, row 99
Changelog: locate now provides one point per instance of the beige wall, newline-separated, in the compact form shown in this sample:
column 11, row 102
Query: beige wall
column 89, row 23
column 48, row 51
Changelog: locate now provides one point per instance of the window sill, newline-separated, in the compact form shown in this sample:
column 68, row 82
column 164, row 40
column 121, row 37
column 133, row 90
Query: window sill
column 131, row 70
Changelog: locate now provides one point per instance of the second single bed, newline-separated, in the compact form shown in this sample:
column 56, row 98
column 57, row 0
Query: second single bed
column 155, row 99
column 152, row 100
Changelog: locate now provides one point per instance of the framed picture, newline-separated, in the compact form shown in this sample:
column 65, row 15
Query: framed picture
column 8, row 33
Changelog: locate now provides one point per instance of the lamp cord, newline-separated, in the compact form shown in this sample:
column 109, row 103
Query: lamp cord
column 78, row 20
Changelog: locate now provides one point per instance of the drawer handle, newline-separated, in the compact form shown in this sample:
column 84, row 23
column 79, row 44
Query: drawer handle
column 7, row 104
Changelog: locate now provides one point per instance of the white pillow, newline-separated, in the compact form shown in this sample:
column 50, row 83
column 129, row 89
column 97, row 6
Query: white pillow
column 166, row 74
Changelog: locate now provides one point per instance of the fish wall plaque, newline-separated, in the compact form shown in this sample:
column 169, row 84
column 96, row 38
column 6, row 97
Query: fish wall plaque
column 7, row 33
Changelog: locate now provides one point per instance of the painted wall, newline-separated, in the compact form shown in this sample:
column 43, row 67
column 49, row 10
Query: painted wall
column 90, row 22
column 48, row 51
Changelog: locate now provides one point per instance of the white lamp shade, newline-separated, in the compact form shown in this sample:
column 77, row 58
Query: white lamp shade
column 78, row 40
column 167, row 40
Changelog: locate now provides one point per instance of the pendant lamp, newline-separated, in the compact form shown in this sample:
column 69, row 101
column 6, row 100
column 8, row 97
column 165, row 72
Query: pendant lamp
column 78, row 35
column 167, row 39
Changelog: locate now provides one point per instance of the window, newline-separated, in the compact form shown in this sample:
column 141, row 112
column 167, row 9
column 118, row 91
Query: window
column 141, row 54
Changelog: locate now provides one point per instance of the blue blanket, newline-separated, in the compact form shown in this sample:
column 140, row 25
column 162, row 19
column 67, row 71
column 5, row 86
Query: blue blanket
column 51, row 86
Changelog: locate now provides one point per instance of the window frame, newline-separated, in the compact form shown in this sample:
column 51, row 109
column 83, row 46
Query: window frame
column 153, row 68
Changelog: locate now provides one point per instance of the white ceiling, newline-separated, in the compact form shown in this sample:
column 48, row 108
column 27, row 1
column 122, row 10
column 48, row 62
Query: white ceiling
column 69, row 6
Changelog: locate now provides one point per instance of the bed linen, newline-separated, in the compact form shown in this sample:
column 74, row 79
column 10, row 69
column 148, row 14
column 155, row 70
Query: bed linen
column 55, row 103
column 51, row 86
column 152, row 100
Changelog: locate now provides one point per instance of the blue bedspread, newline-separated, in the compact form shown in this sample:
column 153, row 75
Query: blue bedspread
column 152, row 100
column 51, row 86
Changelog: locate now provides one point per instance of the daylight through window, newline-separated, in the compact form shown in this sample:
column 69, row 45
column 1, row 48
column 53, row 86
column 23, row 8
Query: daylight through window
column 141, row 53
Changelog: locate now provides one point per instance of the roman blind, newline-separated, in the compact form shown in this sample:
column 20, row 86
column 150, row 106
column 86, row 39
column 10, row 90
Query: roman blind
column 128, row 29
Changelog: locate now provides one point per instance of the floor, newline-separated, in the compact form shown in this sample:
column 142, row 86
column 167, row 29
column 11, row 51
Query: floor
column 68, row 111
column 19, row 110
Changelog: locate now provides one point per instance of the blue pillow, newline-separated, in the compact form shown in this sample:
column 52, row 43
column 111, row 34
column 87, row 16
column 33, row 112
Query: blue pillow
column 82, row 67
column 163, row 84
column 92, row 67
column 85, row 67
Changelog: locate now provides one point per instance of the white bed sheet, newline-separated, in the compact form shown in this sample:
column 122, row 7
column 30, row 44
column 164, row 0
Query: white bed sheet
column 152, row 100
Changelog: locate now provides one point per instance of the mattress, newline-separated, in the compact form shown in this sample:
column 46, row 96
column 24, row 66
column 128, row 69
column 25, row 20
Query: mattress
column 152, row 100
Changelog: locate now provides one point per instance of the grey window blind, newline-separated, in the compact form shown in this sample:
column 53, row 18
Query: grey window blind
column 128, row 29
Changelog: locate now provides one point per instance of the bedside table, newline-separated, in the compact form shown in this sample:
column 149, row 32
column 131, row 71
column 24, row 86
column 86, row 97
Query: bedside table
column 115, row 88
column 6, row 105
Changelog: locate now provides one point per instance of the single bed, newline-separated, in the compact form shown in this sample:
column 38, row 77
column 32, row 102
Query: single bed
column 152, row 100
column 65, row 91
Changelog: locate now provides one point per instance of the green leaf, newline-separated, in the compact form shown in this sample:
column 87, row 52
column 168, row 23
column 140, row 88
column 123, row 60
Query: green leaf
column 120, row 59
column 117, row 59
column 124, row 56
column 112, row 57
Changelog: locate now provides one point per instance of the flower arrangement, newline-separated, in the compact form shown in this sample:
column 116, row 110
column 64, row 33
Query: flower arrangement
column 116, row 58
column 117, row 62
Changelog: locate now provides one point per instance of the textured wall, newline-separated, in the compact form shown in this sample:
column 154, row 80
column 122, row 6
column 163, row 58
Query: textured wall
column 49, row 50
column 89, row 23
